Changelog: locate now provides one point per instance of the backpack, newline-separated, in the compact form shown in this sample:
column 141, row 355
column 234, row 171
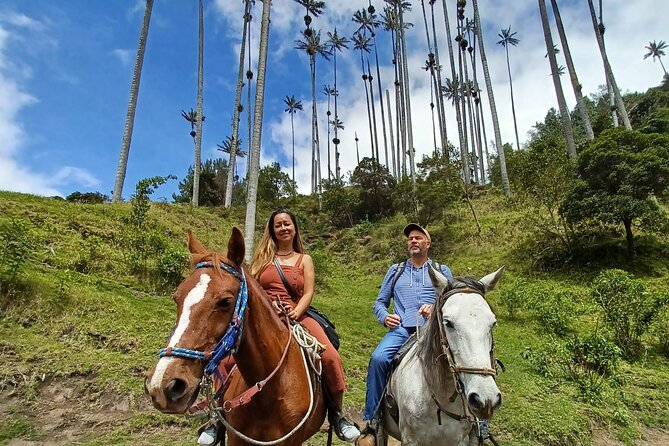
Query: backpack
column 400, row 270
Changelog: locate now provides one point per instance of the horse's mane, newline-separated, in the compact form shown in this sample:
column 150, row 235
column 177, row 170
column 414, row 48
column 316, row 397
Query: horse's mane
column 429, row 348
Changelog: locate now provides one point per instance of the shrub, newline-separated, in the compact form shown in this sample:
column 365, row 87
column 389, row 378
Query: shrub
column 555, row 310
column 170, row 267
column 547, row 359
column 592, row 360
column 89, row 256
column 17, row 245
column 627, row 307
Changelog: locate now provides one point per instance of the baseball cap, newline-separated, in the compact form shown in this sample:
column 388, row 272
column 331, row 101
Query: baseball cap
column 416, row 227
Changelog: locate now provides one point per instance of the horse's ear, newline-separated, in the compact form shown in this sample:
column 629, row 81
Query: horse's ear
column 236, row 247
column 490, row 281
column 194, row 245
column 439, row 282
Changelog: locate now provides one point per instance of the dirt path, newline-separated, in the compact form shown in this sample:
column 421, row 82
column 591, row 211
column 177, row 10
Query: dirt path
column 65, row 412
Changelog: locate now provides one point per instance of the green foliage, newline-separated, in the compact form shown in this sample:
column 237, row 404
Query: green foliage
column 548, row 359
column 619, row 172
column 140, row 199
column 171, row 266
column 89, row 255
column 438, row 185
column 376, row 185
column 592, row 359
column 213, row 181
column 660, row 329
column 87, row 198
column 17, row 246
column 275, row 188
column 555, row 310
column 342, row 203
column 627, row 307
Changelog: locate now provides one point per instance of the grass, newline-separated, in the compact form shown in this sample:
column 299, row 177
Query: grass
column 96, row 332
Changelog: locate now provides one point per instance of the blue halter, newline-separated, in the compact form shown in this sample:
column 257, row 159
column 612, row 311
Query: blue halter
column 229, row 343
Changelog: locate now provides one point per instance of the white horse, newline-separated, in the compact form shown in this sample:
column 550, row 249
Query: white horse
column 446, row 380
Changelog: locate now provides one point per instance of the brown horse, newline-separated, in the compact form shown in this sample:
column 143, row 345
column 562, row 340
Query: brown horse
column 272, row 371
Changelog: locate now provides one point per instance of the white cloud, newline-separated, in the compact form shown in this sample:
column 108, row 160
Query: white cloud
column 125, row 56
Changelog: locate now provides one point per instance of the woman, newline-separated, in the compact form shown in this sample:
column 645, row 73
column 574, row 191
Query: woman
column 282, row 241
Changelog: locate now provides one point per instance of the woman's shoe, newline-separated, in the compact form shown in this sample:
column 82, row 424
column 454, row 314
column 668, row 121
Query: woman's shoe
column 208, row 436
column 345, row 430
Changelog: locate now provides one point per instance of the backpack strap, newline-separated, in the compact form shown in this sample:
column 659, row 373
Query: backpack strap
column 398, row 273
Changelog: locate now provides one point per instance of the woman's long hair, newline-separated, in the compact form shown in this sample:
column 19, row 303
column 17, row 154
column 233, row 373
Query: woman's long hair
column 264, row 254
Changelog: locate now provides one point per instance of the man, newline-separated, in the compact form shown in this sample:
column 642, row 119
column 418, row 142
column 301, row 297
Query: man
column 408, row 284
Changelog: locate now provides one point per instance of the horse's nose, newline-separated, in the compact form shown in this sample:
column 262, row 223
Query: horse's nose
column 175, row 389
column 498, row 402
column 484, row 408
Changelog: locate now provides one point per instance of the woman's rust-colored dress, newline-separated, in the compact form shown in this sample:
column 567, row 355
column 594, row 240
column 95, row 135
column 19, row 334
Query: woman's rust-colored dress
column 271, row 282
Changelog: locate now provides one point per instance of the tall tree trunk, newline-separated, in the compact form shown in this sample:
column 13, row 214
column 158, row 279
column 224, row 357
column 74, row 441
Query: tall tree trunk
column 513, row 102
column 433, row 66
column 392, row 141
column 336, row 119
column 464, row 144
column 369, row 110
column 491, row 100
column 314, row 125
column 607, row 68
column 440, row 98
column 580, row 103
column 132, row 106
column 562, row 104
column 235, row 115
column 407, row 91
column 371, row 100
column 454, row 77
column 478, row 113
column 383, row 113
column 292, row 128
column 198, row 137
column 254, row 155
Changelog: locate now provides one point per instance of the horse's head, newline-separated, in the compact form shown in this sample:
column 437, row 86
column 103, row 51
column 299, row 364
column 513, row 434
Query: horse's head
column 207, row 300
column 465, row 333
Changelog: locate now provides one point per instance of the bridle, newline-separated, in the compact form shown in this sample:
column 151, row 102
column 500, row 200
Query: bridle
column 447, row 356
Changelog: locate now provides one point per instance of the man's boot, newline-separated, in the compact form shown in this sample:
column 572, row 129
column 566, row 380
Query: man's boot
column 368, row 436
column 343, row 428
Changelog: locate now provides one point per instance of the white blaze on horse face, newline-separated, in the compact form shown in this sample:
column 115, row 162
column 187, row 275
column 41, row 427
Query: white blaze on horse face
column 194, row 297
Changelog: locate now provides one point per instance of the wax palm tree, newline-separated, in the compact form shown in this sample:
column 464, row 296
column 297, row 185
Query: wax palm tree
column 576, row 86
column 440, row 99
column 292, row 106
column 368, row 22
column 599, row 34
column 191, row 117
column 390, row 23
column 330, row 92
column 229, row 146
column 656, row 49
column 562, row 103
column 254, row 155
column 401, row 7
column 337, row 44
column 313, row 46
column 491, row 101
column 132, row 105
column 508, row 38
column 456, row 98
column 432, row 67
column 238, row 106
column 362, row 43
column 314, row 8
column 337, row 124
column 198, row 137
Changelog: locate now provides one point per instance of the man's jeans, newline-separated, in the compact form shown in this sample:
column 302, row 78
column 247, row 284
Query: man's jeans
column 379, row 364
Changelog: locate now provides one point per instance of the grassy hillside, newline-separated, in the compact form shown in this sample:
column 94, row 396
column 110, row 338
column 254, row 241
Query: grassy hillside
column 83, row 319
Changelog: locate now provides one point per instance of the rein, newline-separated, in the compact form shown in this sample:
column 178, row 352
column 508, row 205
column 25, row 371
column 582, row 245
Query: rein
column 455, row 369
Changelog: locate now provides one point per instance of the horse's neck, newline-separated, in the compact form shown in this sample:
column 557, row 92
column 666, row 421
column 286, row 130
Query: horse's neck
column 435, row 371
column 264, row 337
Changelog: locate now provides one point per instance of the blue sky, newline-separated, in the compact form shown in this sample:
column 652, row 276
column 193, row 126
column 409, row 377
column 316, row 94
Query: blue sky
column 66, row 67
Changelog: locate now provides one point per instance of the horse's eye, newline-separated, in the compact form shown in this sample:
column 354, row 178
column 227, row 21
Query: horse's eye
column 448, row 323
column 223, row 303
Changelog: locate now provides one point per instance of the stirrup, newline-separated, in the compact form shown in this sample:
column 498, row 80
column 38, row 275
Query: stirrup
column 337, row 419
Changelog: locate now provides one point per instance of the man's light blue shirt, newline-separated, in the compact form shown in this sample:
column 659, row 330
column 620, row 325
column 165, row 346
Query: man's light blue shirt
column 412, row 289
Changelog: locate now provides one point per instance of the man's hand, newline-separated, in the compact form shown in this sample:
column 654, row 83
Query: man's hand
column 392, row 321
column 425, row 310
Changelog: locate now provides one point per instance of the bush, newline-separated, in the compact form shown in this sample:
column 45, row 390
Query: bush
column 627, row 307
column 17, row 245
column 548, row 359
column 555, row 310
column 170, row 267
column 592, row 360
